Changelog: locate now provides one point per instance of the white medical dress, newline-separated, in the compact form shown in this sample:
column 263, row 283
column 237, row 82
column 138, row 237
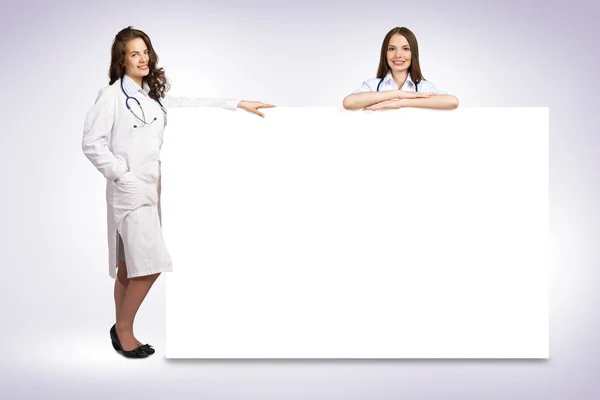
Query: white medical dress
column 115, row 141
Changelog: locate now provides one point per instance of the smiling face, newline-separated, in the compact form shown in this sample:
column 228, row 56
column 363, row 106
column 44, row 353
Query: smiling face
column 398, row 54
column 137, row 59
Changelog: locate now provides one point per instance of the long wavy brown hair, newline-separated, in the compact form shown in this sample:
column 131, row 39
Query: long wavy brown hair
column 156, row 78
column 414, row 69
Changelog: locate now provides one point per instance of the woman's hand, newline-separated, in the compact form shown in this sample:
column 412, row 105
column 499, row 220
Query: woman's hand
column 253, row 106
column 398, row 102
column 390, row 104
column 401, row 94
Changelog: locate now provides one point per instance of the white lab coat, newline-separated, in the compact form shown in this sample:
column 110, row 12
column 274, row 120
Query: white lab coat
column 114, row 146
column 388, row 83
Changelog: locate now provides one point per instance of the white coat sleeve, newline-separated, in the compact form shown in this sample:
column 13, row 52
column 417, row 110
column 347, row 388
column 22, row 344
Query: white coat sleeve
column 97, row 133
column 363, row 88
column 431, row 88
column 171, row 102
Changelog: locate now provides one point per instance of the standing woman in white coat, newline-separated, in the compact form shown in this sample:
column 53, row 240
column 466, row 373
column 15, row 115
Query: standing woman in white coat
column 122, row 137
column 399, row 82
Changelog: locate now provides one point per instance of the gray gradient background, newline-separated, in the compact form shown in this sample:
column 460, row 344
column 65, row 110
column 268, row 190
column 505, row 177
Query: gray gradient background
column 56, row 293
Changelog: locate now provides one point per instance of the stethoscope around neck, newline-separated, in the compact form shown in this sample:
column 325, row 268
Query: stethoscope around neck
column 381, row 80
column 143, row 119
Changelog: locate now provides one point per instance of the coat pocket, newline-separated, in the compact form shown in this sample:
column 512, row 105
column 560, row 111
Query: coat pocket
column 147, row 178
column 126, row 191
column 148, row 174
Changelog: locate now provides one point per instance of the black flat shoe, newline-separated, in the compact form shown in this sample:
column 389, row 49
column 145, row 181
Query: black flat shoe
column 138, row 352
column 146, row 347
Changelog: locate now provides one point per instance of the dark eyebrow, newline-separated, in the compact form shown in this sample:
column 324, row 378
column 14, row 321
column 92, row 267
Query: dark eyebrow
column 135, row 51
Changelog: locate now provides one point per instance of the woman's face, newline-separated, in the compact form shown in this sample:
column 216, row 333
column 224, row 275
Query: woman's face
column 398, row 53
column 137, row 58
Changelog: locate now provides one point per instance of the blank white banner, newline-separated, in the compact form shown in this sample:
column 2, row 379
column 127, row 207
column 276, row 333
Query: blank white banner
column 325, row 233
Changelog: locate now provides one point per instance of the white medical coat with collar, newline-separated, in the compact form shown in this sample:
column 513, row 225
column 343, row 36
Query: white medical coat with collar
column 114, row 147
